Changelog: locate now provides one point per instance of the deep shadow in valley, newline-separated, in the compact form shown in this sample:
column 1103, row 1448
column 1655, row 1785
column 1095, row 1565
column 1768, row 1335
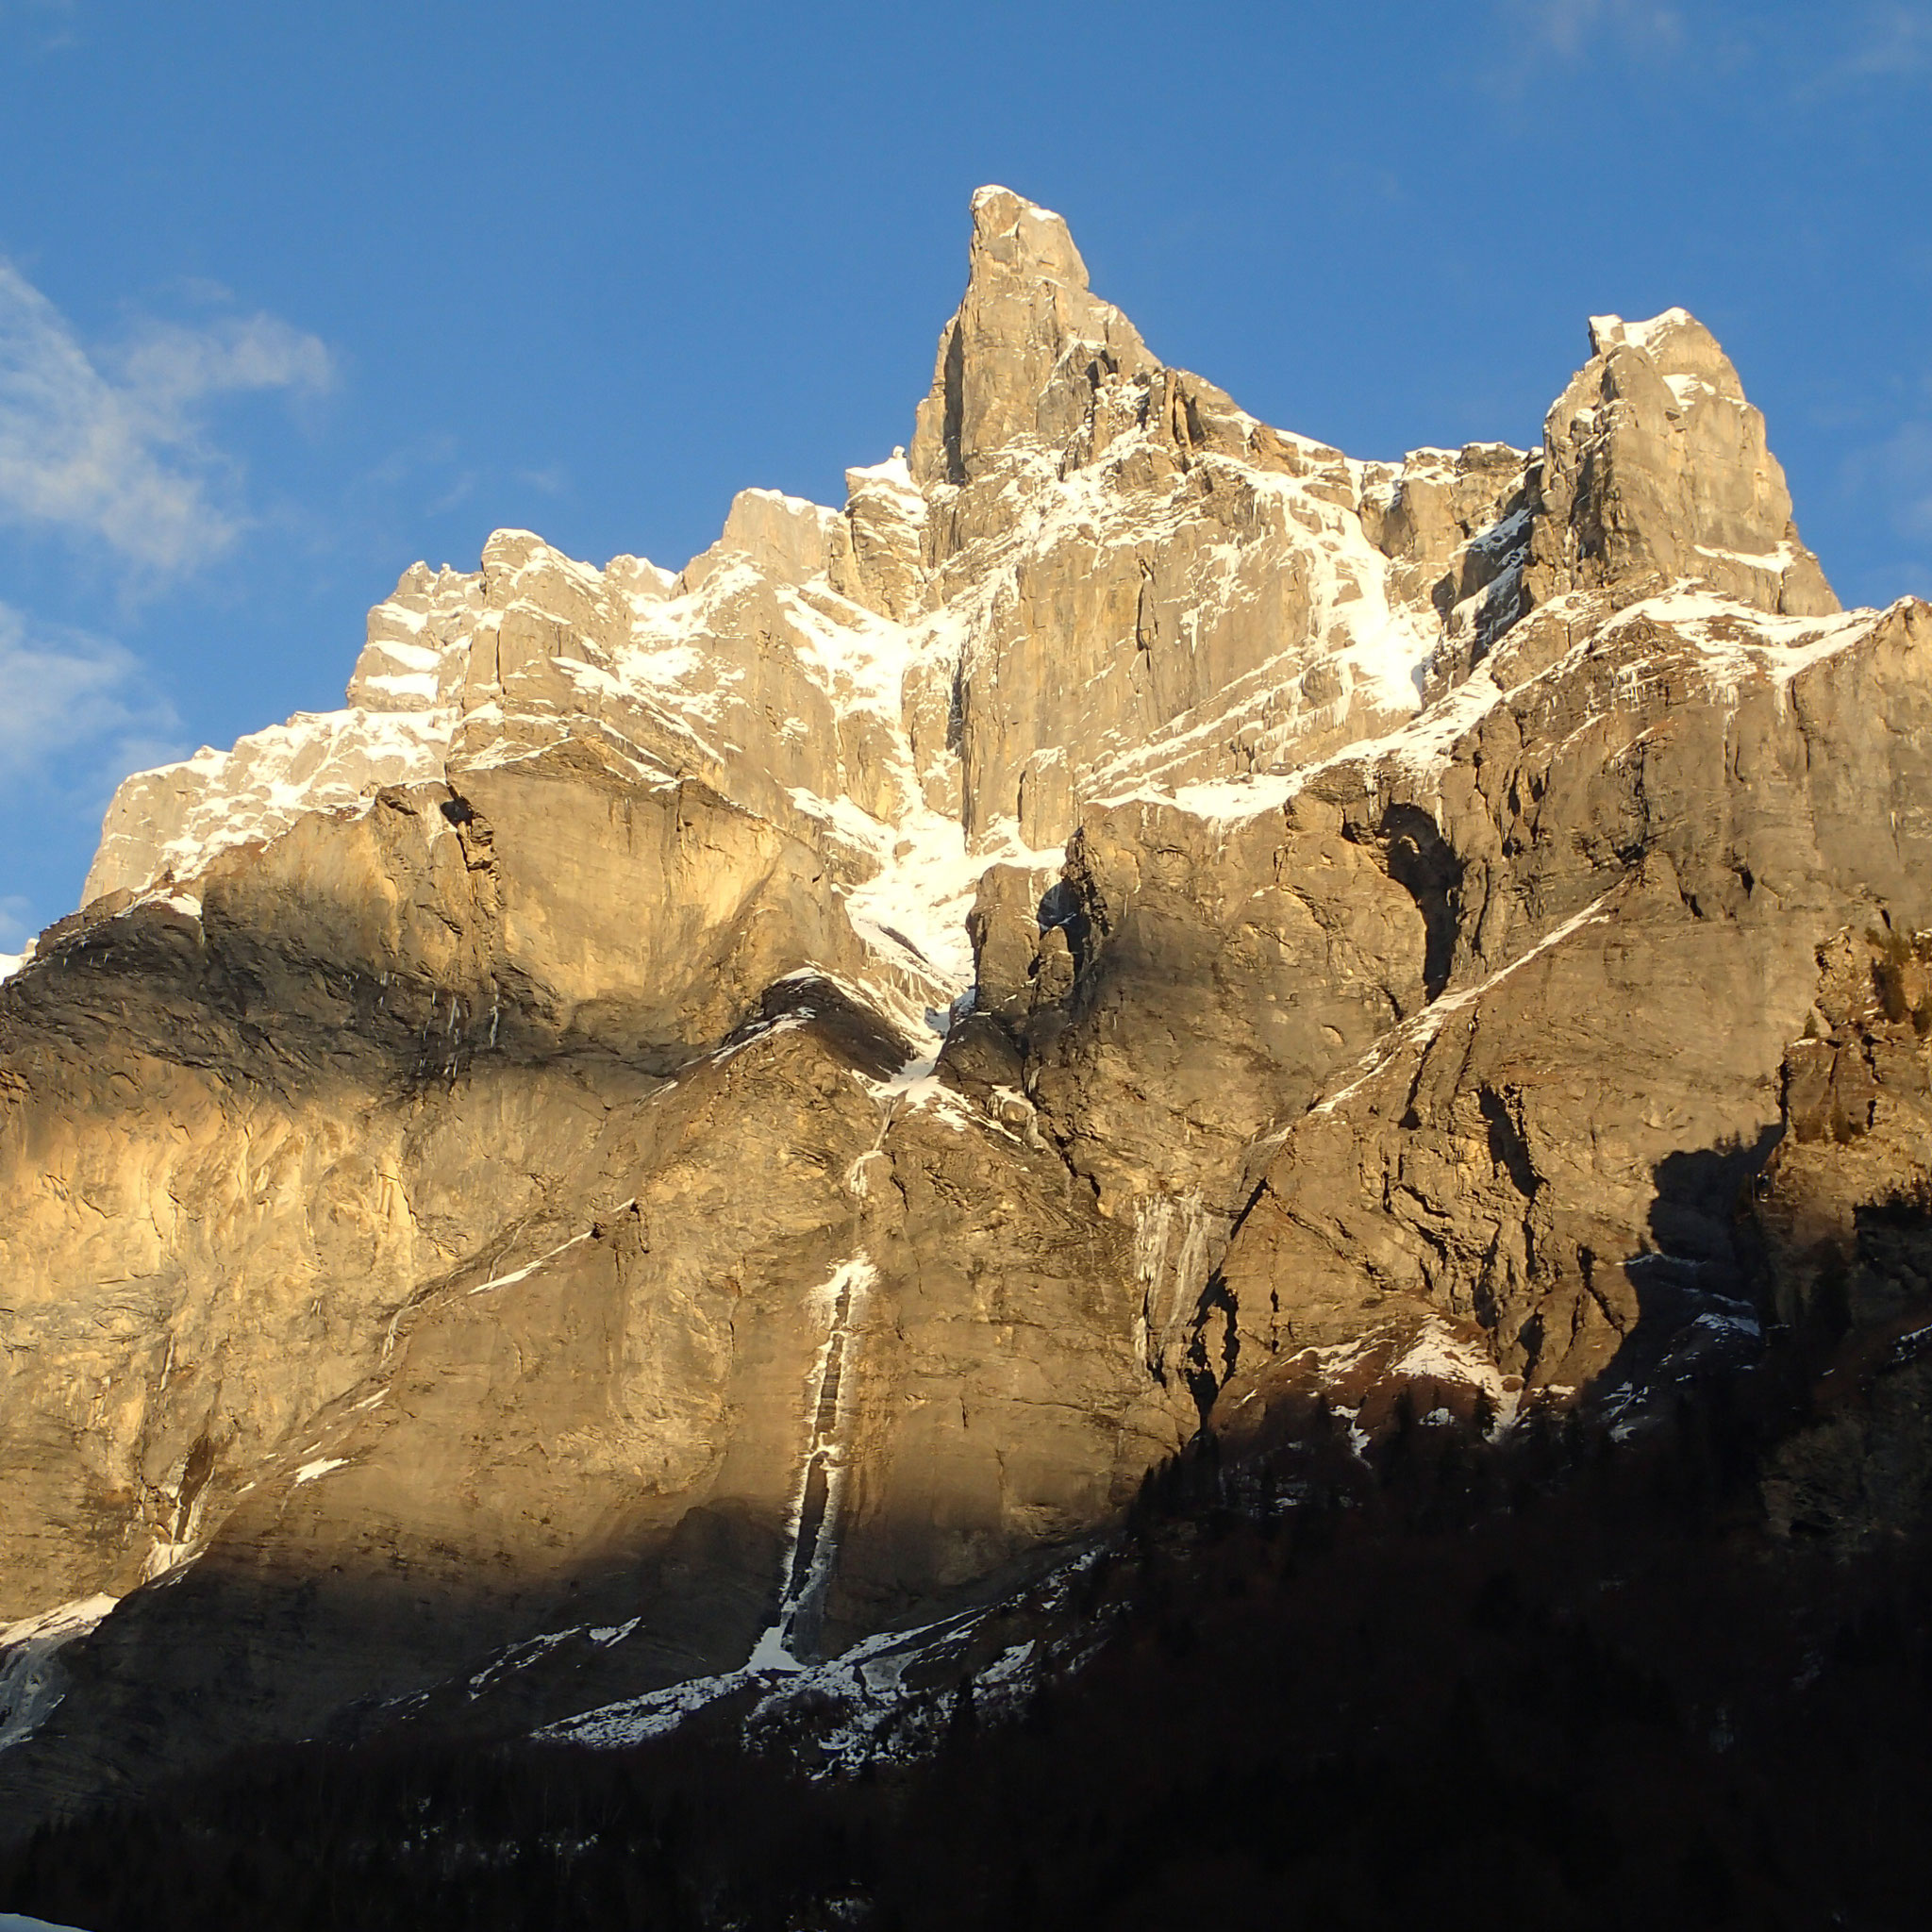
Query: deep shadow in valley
column 403, row 1643
column 1700, row 1293
column 1552, row 1675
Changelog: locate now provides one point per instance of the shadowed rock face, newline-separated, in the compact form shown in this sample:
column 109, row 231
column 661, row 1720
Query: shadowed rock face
column 718, row 1112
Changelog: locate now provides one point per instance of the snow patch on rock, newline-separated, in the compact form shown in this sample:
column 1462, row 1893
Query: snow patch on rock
column 32, row 1682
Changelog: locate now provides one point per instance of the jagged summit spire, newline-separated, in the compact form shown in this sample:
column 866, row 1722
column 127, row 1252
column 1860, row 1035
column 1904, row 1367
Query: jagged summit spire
column 1012, row 363
column 1655, row 464
column 1012, row 233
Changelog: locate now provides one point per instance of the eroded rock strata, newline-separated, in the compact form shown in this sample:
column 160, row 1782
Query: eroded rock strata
column 732, row 1111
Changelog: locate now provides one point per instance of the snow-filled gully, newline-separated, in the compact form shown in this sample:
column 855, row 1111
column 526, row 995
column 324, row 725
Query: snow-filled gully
column 1203, row 1234
column 811, row 1524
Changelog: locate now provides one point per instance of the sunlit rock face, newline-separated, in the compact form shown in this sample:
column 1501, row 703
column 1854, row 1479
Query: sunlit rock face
column 727, row 1109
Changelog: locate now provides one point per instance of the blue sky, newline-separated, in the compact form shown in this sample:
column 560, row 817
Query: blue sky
column 293, row 296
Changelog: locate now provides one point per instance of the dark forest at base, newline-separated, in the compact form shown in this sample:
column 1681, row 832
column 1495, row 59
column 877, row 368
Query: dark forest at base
column 1556, row 1680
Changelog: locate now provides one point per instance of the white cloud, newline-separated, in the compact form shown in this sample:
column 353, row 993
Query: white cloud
column 84, row 701
column 112, row 445
column 1849, row 51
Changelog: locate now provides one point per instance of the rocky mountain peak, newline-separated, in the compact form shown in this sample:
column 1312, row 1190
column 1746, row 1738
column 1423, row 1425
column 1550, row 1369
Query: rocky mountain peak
column 1656, row 468
column 1015, row 237
column 1020, row 359
column 738, row 1104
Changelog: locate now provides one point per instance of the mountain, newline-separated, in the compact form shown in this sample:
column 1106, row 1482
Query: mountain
column 706, row 1117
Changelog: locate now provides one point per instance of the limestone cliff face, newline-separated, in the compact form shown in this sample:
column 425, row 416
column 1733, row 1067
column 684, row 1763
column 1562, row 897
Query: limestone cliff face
column 727, row 1109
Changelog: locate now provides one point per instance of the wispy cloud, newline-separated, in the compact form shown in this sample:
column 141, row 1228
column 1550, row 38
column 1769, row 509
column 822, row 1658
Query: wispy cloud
column 78, row 707
column 1533, row 36
column 1570, row 27
column 50, row 24
column 1801, row 56
column 1884, row 46
column 1887, row 43
column 111, row 445
column 435, row 474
